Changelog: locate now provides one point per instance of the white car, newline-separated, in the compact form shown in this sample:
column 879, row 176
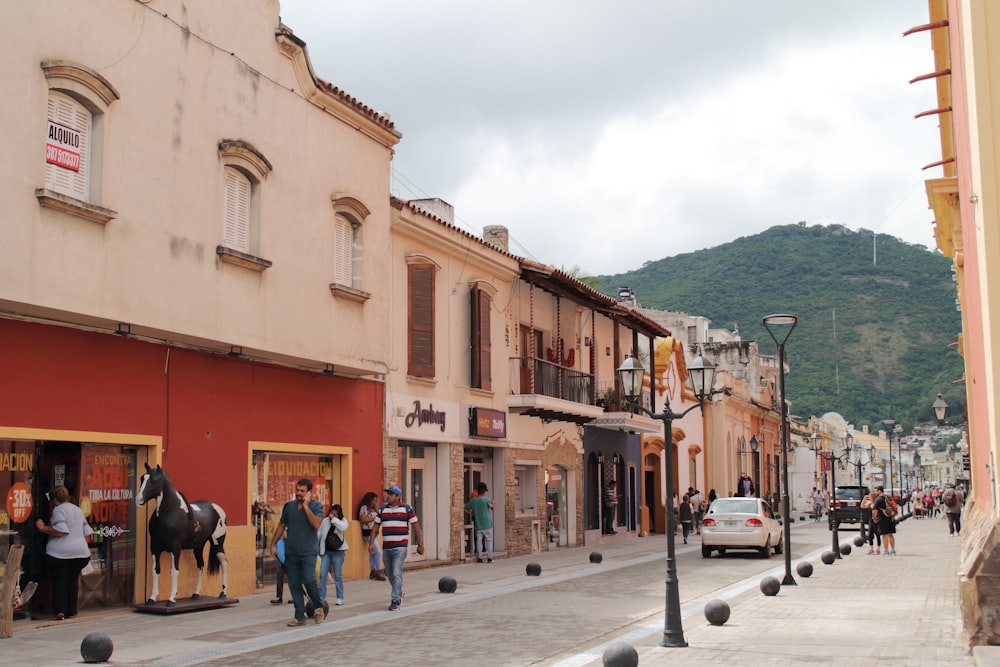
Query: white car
column 741, row 523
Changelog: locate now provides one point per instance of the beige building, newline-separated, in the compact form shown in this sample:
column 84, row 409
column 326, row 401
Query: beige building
column 192, row 273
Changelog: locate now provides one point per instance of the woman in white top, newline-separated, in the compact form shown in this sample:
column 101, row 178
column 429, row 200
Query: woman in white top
column 66, row 553
column 334, row 521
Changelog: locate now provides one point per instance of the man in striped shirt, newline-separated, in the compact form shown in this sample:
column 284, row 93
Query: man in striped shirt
column 394, row 520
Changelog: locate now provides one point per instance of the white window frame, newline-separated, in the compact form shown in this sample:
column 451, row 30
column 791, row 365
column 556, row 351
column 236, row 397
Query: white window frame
column 79, row 98
column 349, row 215
column 243, row 171
column 526, row 487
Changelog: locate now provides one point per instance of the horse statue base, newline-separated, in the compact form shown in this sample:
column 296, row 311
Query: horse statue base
column 184, row 605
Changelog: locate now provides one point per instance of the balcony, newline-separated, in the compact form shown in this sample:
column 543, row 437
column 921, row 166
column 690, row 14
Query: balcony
column 559, row 393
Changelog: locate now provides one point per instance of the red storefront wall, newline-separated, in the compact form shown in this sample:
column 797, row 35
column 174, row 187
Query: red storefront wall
column 206, row 408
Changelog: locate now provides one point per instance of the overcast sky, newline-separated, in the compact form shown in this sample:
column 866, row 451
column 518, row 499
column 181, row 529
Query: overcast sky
column 605, row 134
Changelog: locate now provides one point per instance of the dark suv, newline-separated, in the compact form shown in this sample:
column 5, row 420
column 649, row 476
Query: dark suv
column 847, row 509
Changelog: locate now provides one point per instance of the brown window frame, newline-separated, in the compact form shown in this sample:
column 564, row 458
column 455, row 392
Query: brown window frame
column 420, row 320
column 481, row 344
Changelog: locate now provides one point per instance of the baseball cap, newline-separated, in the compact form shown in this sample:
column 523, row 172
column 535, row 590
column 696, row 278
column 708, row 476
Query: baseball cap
column 394, row 489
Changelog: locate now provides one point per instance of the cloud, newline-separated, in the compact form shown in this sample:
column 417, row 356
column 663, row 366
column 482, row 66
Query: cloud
column 608, row 134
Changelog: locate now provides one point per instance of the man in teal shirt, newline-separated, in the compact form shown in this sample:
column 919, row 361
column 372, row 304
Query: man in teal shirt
column 480, row 507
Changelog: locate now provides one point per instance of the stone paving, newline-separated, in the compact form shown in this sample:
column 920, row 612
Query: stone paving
column 880, row 610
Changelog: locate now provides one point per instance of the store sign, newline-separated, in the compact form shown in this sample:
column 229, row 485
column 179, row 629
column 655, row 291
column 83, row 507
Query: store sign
column 487, row 423
column 19, row 502
column 63, row 147
column 420, row 416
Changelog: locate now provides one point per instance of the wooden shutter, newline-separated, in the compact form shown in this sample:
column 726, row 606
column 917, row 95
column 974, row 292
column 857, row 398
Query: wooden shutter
column 420, row 322
column 65, row 111
column 236, row 211
column 343, row 251
column 482, row 368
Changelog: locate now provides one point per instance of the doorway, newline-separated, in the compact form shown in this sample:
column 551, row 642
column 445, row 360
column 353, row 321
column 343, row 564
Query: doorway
column 416, row 469
column 557, row 521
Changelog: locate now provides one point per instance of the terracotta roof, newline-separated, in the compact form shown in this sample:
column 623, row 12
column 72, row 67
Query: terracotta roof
column 383, row 119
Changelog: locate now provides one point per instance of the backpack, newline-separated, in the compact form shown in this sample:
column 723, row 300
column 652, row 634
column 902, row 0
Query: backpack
column 333, row 540
column 891, row 508
column 950, row 498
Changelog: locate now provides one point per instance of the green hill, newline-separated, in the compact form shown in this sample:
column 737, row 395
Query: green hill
column 872, row 340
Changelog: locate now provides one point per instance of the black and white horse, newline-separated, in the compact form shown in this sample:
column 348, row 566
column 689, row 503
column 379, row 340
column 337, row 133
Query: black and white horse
column 177, row 524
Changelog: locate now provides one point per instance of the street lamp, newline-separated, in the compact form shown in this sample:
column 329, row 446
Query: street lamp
column 785, row 322
column 859, row 450
column 817, row 448
column 754, row 446
column 940, row 409
column 701, row 374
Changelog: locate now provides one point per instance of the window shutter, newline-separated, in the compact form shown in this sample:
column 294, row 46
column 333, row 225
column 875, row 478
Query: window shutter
column 343, row 244
column 421, row 321
column 236, row 211
column 482, row 372
column 65, row 111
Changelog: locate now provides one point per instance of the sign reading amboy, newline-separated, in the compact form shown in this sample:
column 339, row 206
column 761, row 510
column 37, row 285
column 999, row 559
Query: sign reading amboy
column 63, row 146
column 422, row 417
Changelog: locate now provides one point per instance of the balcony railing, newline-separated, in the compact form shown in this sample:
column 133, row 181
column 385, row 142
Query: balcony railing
column 550, row 380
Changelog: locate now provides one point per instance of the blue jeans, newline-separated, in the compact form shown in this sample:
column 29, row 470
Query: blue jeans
column 336, row 560
column 394, row 559
column 375, row 557
column 488, row 534
column 301, row 571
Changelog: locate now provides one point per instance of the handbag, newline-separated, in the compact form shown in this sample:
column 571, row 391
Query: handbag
column 334, row 541
column 88, row 568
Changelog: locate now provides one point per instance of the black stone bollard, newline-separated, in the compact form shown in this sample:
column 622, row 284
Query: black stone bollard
column 96, row 647
column 717, row 612
column 858, row 541
column 447, row 584
column 533, row 569
column 596, row 557
column 770, row 586
column 621, row 654
column 805, row 569
column 828, row 557
column 845, row 549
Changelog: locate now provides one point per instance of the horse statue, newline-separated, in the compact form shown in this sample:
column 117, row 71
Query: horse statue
column 177, row 524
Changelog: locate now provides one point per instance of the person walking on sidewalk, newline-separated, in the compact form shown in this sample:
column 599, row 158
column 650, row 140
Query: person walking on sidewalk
column 67, row 552
column 333, row 558
column 953, row 499
column 366, row 517
column 300, row 519
column 610, row 507
column 886, row 523
column 686, row 516
column 394, row 520
column 868, row 517
column 697, row 509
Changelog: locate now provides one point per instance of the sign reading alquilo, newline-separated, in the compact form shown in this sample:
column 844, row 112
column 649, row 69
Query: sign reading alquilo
column 63, row 146
column 487, row 423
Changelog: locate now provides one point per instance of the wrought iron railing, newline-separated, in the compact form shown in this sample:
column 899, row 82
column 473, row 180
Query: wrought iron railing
column 550, row 380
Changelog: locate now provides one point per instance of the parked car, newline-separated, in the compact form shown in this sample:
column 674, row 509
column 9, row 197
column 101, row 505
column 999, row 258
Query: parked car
column 847, row 508
column 741, row 523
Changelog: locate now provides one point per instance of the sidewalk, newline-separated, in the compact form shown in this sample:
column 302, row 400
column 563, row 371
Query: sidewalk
column 900, row 610
column 861, row 610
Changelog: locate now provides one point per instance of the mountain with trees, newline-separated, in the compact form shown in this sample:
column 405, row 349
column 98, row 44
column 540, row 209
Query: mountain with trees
column 877, row 319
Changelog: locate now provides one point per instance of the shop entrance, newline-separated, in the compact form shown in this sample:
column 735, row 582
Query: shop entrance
column 101, row 480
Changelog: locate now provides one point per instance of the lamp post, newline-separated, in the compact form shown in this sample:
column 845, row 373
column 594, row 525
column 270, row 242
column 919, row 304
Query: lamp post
column 889, row 425
column 817, row 448
column 859, row 450
column 701, row 374
column 778, row 323
column 754, row 446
